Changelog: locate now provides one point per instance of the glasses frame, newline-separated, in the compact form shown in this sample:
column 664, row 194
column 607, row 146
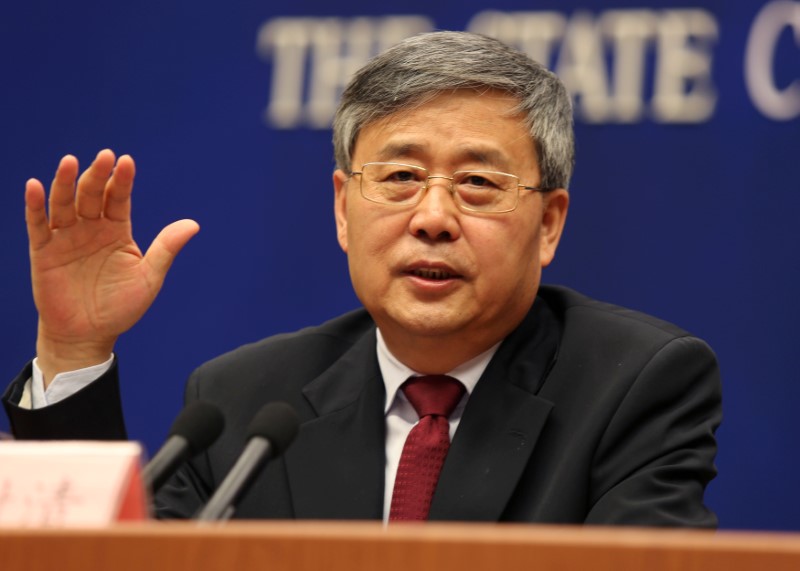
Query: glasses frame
column 450, row 187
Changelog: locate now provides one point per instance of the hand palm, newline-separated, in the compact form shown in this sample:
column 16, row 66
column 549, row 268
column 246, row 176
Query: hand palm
column 90, row 280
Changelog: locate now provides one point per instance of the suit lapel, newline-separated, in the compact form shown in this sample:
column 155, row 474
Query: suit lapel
column 336, row 465
column 500, row 425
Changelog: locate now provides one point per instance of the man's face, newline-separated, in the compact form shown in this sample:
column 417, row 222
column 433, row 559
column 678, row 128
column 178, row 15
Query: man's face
column 445, row 285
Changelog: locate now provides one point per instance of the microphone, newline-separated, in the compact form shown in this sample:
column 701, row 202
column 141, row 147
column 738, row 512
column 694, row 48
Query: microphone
column 270, row 433
column 197, row 426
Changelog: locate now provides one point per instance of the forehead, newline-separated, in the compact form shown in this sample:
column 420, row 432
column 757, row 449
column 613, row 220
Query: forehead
column 460, row 126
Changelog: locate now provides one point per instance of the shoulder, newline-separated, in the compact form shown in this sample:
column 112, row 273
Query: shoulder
column 581, row 317
column 598, row 336
column 308, row 350
column 614, row 348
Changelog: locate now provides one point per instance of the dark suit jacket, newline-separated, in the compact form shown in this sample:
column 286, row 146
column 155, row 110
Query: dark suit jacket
column 588, row 412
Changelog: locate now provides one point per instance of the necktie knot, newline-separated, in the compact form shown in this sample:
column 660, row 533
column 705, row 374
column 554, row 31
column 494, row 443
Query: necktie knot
column 435, row 395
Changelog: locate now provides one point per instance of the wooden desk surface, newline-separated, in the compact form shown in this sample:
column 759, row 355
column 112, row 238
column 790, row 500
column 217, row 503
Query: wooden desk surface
column 355, row 546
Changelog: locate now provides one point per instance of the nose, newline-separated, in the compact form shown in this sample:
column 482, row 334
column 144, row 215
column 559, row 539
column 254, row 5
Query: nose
column 436, row 217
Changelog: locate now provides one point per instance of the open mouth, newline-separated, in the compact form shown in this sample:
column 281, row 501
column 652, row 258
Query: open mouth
column 433, row 274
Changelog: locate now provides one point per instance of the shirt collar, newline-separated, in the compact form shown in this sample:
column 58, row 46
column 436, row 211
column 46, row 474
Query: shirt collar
column 395, row 373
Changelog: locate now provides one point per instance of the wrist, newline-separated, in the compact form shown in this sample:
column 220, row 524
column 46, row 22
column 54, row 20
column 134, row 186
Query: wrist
column 56, row 355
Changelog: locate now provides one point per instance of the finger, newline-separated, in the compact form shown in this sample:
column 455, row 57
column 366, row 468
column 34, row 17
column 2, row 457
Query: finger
column 62, row 193
column 36, row 215
column 118, row 190
column 92, row 184
column 168, row 244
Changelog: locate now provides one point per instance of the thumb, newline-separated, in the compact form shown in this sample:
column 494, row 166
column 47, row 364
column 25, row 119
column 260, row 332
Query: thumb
column 168, row 243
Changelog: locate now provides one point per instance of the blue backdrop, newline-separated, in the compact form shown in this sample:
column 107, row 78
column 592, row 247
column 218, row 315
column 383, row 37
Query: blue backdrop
column 684, row 201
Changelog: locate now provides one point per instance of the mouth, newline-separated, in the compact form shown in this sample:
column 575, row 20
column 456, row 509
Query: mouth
column 429, row 274
column 437, row 273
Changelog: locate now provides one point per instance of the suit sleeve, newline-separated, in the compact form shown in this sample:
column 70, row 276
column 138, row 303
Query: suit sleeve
column 93, row 413
column 656, row 455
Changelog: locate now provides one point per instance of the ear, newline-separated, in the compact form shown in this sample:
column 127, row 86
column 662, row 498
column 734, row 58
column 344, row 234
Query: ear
column 340, row 179
column 555, row 204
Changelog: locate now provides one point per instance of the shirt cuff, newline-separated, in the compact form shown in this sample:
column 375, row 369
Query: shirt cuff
column 64, row 384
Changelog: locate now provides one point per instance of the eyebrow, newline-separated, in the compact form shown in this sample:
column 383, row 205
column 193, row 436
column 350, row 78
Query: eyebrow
column 486, row 156
column 400, row 150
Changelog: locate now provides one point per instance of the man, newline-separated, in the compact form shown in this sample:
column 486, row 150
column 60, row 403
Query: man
column 453, row 156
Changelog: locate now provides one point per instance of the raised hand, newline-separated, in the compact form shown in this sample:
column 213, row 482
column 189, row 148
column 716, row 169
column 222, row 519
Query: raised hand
column 90, row 280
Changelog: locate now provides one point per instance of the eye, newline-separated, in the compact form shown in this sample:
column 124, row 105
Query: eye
column 392, row 183
column 480, row 181
column 394, row 173
column 400, row 175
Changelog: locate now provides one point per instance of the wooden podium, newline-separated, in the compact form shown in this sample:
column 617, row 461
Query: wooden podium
column 289, row 546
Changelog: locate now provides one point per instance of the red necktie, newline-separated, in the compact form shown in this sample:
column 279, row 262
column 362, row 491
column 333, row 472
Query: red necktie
column 433, row 397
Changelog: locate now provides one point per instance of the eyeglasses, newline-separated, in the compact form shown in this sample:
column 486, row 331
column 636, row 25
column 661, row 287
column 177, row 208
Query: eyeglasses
column 397, row 184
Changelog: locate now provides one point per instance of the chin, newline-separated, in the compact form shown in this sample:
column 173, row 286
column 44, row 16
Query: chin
column 426, row 323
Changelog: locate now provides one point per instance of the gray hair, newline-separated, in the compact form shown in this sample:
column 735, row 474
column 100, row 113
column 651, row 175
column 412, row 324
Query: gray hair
column 423, row 66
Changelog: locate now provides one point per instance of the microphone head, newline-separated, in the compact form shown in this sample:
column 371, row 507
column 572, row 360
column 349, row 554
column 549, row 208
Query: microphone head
column 278, row 423
column 200, row 423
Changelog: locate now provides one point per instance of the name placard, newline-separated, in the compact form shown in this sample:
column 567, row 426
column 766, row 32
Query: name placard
column 70, row 484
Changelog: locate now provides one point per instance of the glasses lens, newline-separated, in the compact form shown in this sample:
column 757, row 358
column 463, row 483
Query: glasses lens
column 392, row 183
column 486, row 191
